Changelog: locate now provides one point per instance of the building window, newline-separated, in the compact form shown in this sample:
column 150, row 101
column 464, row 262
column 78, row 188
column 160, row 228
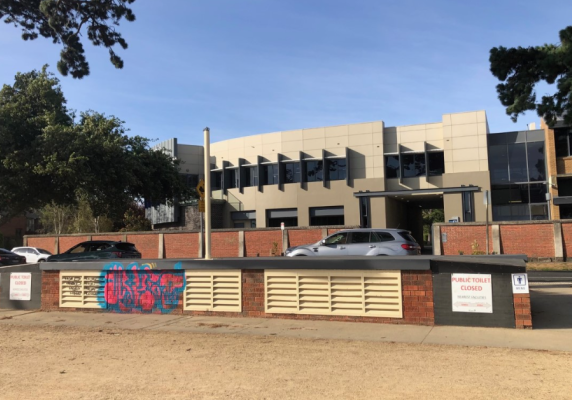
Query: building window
column 392, row 166
column 364, row 212
column 564, row 187
column 288, row 216
column 251, row 177
column 216, row 180
column 517, row 162
column 566, row 211
column 436, row 163
column 314, row 171
column 336, row 169
column 412, row 165
column 536, row 161
column 563, row 142
column 292, row 172
column 519, row 202
column 232, row 178
column 192, row 180
column 270, row 174
column 243, row 219
column 322, row 216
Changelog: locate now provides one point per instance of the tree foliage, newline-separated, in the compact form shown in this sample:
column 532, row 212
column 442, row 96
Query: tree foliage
column 522, row 68
column 48, row 155
column 63, row 20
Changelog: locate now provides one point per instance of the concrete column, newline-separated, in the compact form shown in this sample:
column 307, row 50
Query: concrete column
column 324, row 233
column 124, row 237
column 436, row 233
column 496, row 239
column 89, row 237
column 285, row 241
column 161, row 246
column 241, row 243
column 25, row 240
column 558, row 243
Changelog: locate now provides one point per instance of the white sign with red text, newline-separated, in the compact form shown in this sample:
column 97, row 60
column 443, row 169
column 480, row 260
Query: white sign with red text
column 20, row 286
column 472, row 293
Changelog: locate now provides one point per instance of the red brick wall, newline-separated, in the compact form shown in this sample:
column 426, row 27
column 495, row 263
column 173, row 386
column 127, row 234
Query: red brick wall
column 116, row 238
column 148, row 245
column 522, row 312
column 46, row 243
column 224, row 244
column 334, row 230
column 567, row 240
column 181, row 245
column 299, row 237
column 51, row 290
column 535, row 240
column 260, row 243
column 460, row 238
column 67, row 242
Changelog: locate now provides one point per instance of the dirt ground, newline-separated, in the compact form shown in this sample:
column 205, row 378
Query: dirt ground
column 80, row 363
column 549, row 266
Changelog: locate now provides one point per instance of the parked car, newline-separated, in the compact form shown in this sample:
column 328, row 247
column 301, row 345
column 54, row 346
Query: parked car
column 9, row 258
column 32, row 254
column 361, row 242
column 98, row 249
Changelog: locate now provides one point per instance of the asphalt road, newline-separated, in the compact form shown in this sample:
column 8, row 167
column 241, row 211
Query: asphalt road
column 550, row 276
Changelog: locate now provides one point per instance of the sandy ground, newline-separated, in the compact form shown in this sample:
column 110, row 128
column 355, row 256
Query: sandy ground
column 80, row 363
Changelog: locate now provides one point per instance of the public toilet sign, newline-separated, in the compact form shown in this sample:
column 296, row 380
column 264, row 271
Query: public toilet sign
column 520, row 283
column 20, row 286
column 472, row 293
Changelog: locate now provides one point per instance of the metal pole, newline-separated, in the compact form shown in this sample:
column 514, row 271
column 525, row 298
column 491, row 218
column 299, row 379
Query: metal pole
column 206, row 132
column 202, row 234
column 487, row 226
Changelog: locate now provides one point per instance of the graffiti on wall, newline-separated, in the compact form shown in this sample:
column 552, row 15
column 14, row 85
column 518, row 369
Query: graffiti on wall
column 141, row 288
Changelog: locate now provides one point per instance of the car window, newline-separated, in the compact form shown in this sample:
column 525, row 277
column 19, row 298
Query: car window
column 360, row 237
column 80, row 248
column 42, row 251
column 100, row 246
column 407, row 236
column 126, row 246
column 338, row 238
column 381, row 237
column 4, row 251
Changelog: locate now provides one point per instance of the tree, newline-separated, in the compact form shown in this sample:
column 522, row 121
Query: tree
column 63, row 20
column 521, row 69
column 134, row 219
column 46, row 156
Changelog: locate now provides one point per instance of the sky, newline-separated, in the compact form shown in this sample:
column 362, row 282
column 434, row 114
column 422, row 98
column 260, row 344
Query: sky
column 245, row 67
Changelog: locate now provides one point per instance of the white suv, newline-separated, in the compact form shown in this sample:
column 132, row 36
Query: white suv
column 32, row 254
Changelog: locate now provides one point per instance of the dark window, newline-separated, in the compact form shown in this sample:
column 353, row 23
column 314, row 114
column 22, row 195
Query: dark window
column 519, row 202
column 564, row 187
column 536, row 164
column 407, row 236
column 498, row 163
column 216, row 180
column 327, row 220
column 233, row 178
column 192, row 180
column 251, row 177
column 392, row 166
column 239, row 224
column 336, row 169
column 337, row 238
column 566, row 211
column 381, row 237
column 292, row 172
column 270, row 174
column 468, row 214
column 360, row 237
column 288, row 221
column 436, row 163
column 364, row 212
column 412, row 165
column 562, row 142
column 314, row 171
column 517, row 162
column 80, row 248
column 126, row 246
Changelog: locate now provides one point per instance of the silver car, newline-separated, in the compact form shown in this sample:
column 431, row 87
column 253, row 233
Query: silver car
column 361, row 242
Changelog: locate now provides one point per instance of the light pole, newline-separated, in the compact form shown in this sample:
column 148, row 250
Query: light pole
column 206, row 132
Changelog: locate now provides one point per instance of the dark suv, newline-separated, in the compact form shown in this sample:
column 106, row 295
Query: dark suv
column 98, row 249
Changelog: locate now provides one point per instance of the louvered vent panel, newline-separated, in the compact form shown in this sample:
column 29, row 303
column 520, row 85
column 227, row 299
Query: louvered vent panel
column 352, row 293
column 213, row 291
column 82, row 289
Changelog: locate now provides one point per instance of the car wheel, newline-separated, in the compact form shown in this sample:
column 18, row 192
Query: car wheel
column 300, row 255
column 382, row 254
column 41, row 260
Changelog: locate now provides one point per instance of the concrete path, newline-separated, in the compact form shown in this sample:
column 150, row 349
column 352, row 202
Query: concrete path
column 553, row 325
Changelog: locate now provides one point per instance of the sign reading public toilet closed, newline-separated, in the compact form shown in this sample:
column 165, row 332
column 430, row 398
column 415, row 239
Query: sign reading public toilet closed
column 20, row 285
column 472, row 293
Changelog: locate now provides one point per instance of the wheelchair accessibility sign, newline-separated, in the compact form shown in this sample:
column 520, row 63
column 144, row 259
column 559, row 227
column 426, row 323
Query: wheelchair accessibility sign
column 520, row 283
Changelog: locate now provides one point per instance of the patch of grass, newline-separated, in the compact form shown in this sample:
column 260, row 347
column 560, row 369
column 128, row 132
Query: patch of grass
column 549, row 266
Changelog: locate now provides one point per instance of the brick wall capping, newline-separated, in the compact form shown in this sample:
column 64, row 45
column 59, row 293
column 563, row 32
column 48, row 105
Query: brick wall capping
column 174, row 232
column 481, row 223
column 512, row 263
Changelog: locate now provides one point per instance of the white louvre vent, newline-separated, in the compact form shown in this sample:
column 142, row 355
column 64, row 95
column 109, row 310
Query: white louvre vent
column 213, row 291
column 357, row 293
column 82, row 289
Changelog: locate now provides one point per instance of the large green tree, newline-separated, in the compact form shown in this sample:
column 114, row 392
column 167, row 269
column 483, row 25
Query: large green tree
column 48, row 155
column 62, row 21
column 522, row 68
